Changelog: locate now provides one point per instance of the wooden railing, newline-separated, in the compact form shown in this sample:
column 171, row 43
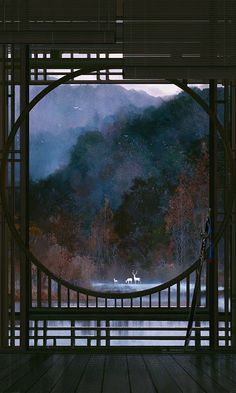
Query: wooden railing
column 65, row 315
column 50, row 291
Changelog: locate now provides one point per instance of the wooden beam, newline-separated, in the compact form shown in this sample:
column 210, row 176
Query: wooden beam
column 233, row 227
column 3, row 235
column 213, row 266
column 24, row 203
column 48, row 37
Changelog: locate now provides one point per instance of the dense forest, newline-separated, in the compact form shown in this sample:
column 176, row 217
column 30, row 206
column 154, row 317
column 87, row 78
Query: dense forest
column 132, row 195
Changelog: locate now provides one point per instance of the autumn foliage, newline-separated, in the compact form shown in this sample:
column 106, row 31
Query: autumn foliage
column 135, row 197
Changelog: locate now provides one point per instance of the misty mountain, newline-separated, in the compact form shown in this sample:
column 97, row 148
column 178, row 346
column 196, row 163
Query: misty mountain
column 130, row 192
column 156, row 143
column 69, row 110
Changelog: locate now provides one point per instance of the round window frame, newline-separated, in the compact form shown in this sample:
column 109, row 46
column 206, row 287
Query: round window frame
column 24, row 115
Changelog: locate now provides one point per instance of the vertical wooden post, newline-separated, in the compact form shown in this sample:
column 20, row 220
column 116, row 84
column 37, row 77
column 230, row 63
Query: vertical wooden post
column 233, row 227
column 24, row 205
column 12, row 202
column 212, row 267
column 227, row 240
column 3, row 228
column 107, row 333
column 197, row 333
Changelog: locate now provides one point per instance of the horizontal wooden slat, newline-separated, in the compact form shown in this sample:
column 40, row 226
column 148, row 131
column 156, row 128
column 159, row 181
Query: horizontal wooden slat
column 101, row 47
column 177, row 9
column 75, row 9
column 121, row 337
column 59, row 9
column 181, row 72
column 58, row 26
column 152, row 31
column 179, row 60
column 126, row 313
column 57, row 38
column 98, row 328
column 73, row 63
column 166, row 48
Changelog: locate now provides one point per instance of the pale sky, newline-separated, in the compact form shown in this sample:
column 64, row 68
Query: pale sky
column 155, row 90
column 158, row 90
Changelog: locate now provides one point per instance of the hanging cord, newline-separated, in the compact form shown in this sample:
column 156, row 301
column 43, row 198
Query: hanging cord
column 206, row 236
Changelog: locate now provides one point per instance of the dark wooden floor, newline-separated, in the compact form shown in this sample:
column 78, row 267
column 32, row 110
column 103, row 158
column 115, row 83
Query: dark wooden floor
column 117, row 373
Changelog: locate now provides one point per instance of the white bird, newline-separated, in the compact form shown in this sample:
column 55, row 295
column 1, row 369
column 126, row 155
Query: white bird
column 115, row 281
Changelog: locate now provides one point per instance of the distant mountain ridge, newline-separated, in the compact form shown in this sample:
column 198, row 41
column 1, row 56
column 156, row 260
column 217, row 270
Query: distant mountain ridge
column 85, row 106
column 69, row 110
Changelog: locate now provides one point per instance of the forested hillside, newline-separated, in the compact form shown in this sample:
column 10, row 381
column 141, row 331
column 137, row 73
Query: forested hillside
column 133, row 195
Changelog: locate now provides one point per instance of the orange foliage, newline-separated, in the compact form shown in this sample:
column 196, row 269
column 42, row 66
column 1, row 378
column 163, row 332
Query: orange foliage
column 187, row 210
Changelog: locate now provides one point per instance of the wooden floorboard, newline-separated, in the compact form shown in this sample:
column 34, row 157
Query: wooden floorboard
column 223, row 365
column 19, row 369
column 206, row 364
column 139, row 375
column 181, row 377
column 161, row 378
column 10, row 363
column 28, row 380
column 92, row 379
column 116, row 377
column 199, row 375
column 71, row 376
column 7, row 359
column 50, row 378
column 118, row 373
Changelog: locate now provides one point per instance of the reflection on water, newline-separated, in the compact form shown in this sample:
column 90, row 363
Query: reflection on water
column 116, row 333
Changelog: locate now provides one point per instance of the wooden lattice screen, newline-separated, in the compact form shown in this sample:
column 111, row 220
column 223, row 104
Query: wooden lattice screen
column 183, row 41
